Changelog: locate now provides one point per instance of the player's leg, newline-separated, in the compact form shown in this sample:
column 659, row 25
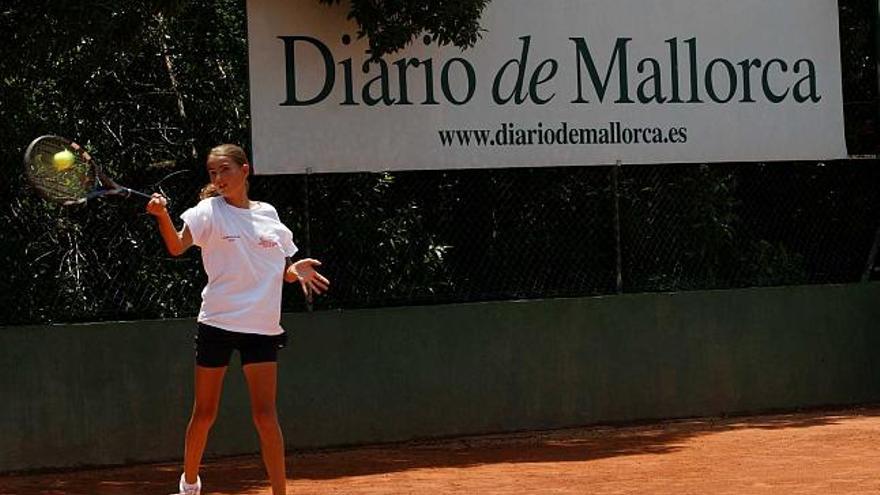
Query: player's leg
column 208, row 386
column 214, row 348
column 262, row 384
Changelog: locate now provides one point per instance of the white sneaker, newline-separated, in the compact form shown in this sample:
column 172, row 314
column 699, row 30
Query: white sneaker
column 187, row 489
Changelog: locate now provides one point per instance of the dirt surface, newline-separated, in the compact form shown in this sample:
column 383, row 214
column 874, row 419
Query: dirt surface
column 811, row 453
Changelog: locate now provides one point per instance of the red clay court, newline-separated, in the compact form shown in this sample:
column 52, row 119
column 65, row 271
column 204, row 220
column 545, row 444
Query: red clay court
column 828, row 452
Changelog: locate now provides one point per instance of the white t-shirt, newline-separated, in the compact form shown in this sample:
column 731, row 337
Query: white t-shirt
column 243, row 253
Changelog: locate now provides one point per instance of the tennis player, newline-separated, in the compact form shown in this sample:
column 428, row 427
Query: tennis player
column 246, row 253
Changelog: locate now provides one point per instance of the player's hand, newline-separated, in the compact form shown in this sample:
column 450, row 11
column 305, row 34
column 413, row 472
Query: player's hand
column 309, row 279
column 157, row 205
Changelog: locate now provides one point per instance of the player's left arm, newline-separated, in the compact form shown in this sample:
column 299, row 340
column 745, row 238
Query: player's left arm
column 304, row 271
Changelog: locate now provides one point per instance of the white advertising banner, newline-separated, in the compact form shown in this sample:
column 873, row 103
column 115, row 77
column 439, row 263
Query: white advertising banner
column 551, row 82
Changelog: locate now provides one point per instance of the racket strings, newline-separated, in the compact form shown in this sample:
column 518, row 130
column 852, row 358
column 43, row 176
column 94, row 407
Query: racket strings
column 65, row 184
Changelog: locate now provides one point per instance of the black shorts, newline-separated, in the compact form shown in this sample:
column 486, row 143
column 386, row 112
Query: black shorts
column 214, row 346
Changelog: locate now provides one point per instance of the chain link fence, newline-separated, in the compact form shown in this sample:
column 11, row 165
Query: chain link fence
column 406, row 238
column 471, row 235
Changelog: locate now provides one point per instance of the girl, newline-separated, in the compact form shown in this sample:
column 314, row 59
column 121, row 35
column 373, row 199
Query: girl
column 246, row 253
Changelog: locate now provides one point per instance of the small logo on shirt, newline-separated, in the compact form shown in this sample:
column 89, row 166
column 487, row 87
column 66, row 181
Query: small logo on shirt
column 231, row 238
column 266, row 242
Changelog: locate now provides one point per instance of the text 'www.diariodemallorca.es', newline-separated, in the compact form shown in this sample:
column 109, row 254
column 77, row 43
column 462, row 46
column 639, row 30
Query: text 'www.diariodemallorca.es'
column 510, row 134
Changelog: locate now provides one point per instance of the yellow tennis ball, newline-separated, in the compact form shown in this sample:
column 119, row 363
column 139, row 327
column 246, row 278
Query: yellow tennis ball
column 63, row 160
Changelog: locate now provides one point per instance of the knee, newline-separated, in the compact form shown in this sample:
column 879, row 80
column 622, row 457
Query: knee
column 265, row 419
column 204, row 416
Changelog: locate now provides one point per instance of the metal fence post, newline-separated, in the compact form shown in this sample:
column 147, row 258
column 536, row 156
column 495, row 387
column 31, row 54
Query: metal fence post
column 616, row 190
column 308, row 226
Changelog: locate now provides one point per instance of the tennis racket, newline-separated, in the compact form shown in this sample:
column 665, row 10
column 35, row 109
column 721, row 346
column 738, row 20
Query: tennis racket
column 63, row 172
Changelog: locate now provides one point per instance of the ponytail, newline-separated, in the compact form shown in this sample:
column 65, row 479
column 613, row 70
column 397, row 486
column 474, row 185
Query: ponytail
column 209, row 191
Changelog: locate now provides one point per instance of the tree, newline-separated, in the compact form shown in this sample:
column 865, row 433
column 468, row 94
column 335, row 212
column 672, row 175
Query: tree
column 390, row 25
column 149, row 85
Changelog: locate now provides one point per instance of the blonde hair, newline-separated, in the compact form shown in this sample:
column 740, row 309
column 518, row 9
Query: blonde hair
column 232, row 151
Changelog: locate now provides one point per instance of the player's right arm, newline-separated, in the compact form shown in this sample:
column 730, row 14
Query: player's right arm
column 177, row 242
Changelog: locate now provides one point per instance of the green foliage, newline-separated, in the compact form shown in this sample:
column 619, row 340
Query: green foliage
column 391, row 25
column 858, row 46
column 149, row 85
column 146, row 86
column 693, row 227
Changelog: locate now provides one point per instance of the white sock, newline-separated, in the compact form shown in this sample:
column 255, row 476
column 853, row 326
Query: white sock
column 184, row 485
